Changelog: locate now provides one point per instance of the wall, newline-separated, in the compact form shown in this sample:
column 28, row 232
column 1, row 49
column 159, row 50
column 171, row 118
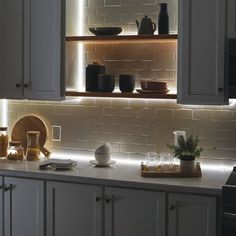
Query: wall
column 133, row 126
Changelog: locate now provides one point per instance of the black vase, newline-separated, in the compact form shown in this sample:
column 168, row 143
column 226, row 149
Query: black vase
column 163, row 19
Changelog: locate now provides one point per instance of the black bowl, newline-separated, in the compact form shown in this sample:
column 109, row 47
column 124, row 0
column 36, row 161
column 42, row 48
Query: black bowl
column 105, row 31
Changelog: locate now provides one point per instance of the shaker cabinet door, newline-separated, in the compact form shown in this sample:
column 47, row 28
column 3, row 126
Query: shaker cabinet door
column 44, row 49
column 201, row 52
column 134, row 212
column 74, row 209
column 191, row 215
column 23, row 207
column 231, row 18
column 11, row 50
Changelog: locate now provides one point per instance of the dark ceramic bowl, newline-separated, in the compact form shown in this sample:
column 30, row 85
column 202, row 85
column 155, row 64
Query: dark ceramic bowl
column 153, row 85
column 105, row 31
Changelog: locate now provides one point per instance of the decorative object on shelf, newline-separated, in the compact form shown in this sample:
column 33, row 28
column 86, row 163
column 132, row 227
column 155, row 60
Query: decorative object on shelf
column 103, row 154
column 153, row 85
column 186, row 150
column 170, row 172
column 92, row 72
column 163, row 19
column 106, row 83
column 15, row 151
column 3, row 142
column 105, row 31
column 126, row 82
column 146, row 27
column 152, row 91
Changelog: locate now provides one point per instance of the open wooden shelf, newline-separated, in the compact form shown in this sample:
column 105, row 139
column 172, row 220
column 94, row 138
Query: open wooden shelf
column 122, row 38
column 120, row 95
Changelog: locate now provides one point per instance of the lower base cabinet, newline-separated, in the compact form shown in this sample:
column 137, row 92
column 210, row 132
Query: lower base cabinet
column 23, row 213
column 74, row 209
column 192, row 215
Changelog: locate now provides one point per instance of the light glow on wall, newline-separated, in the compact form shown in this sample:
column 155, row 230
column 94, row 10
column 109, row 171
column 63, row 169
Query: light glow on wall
column 79, row 83
column 4, row 109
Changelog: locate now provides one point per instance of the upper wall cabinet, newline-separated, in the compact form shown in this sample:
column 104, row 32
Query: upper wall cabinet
column 231, row 18
column 201, row 50
column 32, row 49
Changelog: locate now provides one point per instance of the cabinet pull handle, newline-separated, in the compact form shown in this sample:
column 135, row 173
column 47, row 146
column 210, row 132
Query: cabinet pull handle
column 1, row 186
column 18, row 85
column 9, row 187
column 220, row 89
column 98, row 199
column 171, row 207
column 26, row 85
column 108, row 199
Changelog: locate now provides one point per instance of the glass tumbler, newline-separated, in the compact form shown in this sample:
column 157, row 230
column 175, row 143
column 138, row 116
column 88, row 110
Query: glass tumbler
column 167, row 161
column 151, row 161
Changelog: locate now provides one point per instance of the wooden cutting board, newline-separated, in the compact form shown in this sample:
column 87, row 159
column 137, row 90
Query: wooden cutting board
column 30, row 123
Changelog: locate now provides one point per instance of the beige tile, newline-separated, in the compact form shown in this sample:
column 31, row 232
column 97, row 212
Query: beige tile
column 128, row 111
column 183, row 114
column 158, row 122
column 222, row 115
column 136, row 139
column 144, row 131
column 146, row 112
column 112, row 129
column 129, row 129
column 146, row 148
column 202, row 114
column 111, row 112
column 128, row 148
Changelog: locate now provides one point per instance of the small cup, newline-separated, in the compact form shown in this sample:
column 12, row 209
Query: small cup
column 126, row 83
column 106, row 83
column 151, row 161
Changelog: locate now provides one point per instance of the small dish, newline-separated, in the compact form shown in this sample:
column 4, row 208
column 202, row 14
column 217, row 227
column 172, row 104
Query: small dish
column 152, row 91
column 105, row 31
column 95, row 163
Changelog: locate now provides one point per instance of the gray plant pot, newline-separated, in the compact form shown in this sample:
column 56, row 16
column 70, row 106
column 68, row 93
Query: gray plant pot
column 187, row 167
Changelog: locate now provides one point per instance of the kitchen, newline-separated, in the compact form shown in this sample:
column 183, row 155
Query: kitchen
column 133, row 126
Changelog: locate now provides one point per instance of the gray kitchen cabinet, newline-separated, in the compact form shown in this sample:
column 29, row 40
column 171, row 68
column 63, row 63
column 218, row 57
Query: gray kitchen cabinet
column 74, row 209
column 23, row 207
column 32, row 49
column 201, row 52
column 191, row 215
column 131, row 212
column 231, row 18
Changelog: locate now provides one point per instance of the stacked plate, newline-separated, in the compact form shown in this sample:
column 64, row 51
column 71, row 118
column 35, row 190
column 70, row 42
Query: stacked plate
column 152, row 86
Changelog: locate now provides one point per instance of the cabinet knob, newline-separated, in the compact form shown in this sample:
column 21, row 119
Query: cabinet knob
column 26, row 85
column 108, row 199
column 18, row 85
column 98, row 199
column 220, row 89
column 9, row 187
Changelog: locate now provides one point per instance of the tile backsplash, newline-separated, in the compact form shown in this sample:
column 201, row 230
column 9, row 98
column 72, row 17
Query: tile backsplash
column 133, row 126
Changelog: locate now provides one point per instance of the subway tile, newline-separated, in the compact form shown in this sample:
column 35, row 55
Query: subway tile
column 129, row 129
column 111, row 112
column 128, row 148
column 183, row 114
column 112, row 129
column 128, row 111
column 145, row 131
column 222, row 115
column 143, row 149
column 202, row 114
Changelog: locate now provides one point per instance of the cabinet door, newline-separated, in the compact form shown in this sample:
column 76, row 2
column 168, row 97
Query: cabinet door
column 11, row 51
column 44, row 49
column 1, row 206
column 23, row 207
column 73, row 209
column 192, row 215
column 232, row 18
column 201, row 49
column 134, row 213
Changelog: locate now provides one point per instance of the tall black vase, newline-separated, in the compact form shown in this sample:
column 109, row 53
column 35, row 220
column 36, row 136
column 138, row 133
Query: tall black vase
column 163, row 19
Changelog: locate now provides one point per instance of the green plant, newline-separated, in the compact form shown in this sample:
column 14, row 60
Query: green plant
column 186, row 149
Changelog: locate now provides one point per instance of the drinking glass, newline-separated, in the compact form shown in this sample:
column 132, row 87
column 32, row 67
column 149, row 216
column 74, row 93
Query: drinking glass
column 151, row 160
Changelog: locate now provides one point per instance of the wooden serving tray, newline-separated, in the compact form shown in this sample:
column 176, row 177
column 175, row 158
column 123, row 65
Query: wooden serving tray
column 169, row 172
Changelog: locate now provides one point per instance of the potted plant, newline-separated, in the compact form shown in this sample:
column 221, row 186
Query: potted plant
column 187, row 150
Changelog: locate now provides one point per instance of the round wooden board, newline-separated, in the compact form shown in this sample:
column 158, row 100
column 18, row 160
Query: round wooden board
column 29, row 123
